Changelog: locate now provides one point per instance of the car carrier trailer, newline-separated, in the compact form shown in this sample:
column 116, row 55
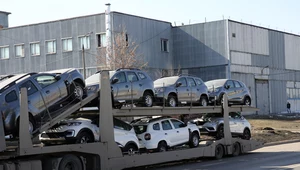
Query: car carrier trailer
column 105, row 154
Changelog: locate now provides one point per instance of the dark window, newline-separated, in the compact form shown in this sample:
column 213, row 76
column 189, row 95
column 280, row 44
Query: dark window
column 164, row 45
column 126, row 39
column 139, row 129
column 230, row 83
column 156, row 126
column 132, row 77
column 121, row 77
column 234, row 115
column 101, row 40
column 191, row 82
column 166, row 125
column 30, row 87
column 177, row 124
column 118, row 124
column 233, row 35
column 237, row 84
column 142, row 76
column 11, row 96
column 45, row 80
column 199, row 81
column 182, row 81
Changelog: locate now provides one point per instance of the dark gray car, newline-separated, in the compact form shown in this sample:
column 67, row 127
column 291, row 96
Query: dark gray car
column 237, row 91
column 47, row 92
column 182, row 89
column 127, row 85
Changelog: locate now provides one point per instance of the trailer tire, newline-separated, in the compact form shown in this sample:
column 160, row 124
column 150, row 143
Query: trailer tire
column 70, row 162
column 219, row 151
column 236, row 149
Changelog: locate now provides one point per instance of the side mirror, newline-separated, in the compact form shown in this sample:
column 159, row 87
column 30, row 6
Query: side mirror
column 227, row 86
column 115, row 80
column 178, row 84
column 57, row 77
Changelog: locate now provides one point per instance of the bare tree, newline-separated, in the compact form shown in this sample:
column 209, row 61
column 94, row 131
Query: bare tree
column 122, row 54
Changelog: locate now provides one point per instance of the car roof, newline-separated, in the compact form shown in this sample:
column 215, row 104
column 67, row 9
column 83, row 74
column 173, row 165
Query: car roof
column 148, row 120
column 12, row 81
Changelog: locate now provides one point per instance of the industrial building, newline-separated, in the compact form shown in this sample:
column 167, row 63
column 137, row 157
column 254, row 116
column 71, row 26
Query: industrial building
column 266, row 60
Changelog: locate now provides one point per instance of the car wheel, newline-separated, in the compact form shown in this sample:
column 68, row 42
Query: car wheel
column 130, row 149
column 247, row 101
column 84, row 137
column 70, row 162
column 172, row 101
column 219, row 151
column 246, row 134
column 162, row 147
column 236, row 149
column 203, row 101
column 194, row 140
column 220, row 132
column 78, row 91
column 148, row 99
column 32, row 126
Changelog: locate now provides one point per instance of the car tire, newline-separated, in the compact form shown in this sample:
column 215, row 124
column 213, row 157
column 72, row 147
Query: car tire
column 220, row 132
column 203, row 101
column 194, row 140
column 70, row 162
column 247, row 101
column 236, row 149
column 130, row 149
column 162, row 147
column 219, row 152
column 77, row 91
column 246, row 134
column 84, row 137
column 172, row 101
column 32, row 126
column 147, row 99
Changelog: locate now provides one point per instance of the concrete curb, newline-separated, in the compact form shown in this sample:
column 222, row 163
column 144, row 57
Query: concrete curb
column 281, row 142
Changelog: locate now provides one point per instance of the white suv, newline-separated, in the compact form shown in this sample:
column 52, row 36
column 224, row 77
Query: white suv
column 164, row 132
column 86, row 130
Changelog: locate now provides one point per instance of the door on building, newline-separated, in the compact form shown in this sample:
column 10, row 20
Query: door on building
column 262, row 96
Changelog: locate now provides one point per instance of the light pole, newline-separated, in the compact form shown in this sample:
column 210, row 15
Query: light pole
column 83, row 56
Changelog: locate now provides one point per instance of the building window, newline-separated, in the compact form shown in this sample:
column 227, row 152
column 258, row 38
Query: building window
column 34, row 49
column 67, row 44
column 4, row 52
column 51, row 46
column 19, row 49
column 85, row 42
column 164, row 45
column 101, row 40
column 233, row 35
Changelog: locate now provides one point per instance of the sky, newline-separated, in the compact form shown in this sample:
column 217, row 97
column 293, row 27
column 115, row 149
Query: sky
column 280, row 15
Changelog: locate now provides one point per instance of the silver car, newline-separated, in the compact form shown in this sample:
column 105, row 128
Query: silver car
column 127, row 85
column 213, row 124
column 237, row 91
column 182, row 89
column 47, row 92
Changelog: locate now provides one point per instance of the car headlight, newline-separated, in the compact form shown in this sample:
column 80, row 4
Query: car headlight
column 74, row 123
column 92, row 88
column 159, row 90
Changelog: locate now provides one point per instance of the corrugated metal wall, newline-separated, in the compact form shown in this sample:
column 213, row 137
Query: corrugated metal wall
column 292, row 52
column 278, row 96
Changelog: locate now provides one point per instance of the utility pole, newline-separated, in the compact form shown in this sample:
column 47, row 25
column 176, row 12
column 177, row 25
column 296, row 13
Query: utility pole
column 83, row 62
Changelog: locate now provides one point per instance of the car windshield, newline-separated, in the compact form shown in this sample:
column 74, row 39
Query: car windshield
column 167, row 81
column 95, row 78
column 215, row 83
column 139, row 129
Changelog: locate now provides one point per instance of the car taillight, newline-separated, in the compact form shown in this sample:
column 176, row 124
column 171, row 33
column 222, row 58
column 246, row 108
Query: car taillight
column 147, row 136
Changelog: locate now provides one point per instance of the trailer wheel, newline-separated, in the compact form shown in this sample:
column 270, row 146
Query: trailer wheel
column 236, row 149
column 219, row 152
column 70, row 162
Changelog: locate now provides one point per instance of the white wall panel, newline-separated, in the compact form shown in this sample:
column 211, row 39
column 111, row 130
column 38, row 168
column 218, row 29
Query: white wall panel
column 292, row 52
column 240, row 58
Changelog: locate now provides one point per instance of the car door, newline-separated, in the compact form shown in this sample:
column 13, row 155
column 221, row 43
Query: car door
column 169, row 133
column 240, row 121
column 234, row 122
column 181, row 131
column 230, row 88
column 135, row 85
column 121, row 87
column 192, row 89
column 238, row 97
column 182, row 90
column 36, row 102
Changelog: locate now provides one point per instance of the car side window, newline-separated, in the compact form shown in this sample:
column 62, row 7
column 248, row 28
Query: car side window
column 142, row 76
column 237, row 84
column 118, row 124
column 30, row 87
column 132, row 77
column 11, row 97
column 166, row 125
column 177, row 124
column 45, row 80
column 234, row 115
column 121, row 77
column 182, row 81
column 191, row 82
column 199, row 81
column 230, row 83
column 156, row 126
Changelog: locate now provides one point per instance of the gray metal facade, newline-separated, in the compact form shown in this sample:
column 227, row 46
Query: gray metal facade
column 4, row 19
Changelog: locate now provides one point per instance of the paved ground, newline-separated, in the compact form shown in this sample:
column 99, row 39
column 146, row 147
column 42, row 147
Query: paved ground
column 279, row 157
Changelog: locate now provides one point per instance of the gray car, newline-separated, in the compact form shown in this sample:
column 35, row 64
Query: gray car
column 182, row 89
column 47, row 92
column 128, row 85
column 237, row 91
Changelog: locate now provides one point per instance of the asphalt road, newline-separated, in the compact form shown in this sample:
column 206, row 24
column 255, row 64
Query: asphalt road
column 279, row 157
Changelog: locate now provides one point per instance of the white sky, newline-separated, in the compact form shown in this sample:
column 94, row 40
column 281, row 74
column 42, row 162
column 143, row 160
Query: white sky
column 276, row 14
